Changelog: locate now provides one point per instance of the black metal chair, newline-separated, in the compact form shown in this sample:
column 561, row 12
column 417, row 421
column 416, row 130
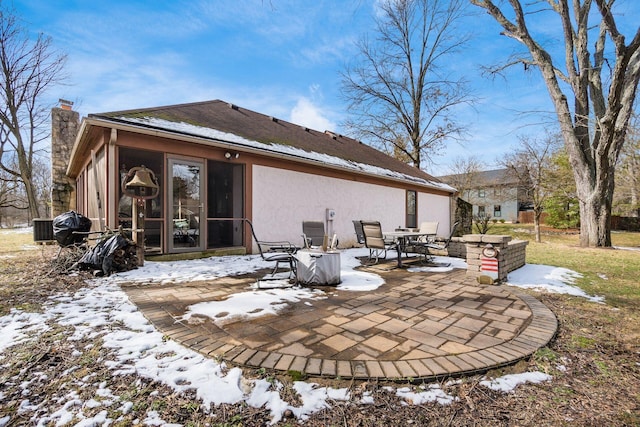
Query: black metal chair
column 432, row 245
column 277, row 252
column 374, row 240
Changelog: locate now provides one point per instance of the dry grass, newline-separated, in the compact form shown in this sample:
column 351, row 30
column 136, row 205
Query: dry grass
column 14, row 241
column 612, row 273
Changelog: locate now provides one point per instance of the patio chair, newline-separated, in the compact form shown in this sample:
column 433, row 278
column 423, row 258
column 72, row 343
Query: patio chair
column 357, row 225
column 435, row 246
column 430, row 231
column 277, row 252
column 313, row 233
column 374, row 240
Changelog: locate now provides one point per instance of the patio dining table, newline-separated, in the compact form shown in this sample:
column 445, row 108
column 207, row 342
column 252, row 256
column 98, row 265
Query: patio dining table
column 402, row 238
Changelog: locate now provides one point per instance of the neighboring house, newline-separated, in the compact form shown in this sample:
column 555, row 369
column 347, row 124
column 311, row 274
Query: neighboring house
column 497, row 194
column 217, row 162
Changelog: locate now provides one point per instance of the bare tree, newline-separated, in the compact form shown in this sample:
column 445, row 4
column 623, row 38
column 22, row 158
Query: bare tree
column 41, row 172
column 463, row 175
column 398, row 94
column 627, row 192
column 29, row 68
column 530, row 163
column 602, row 84
column 10, row 195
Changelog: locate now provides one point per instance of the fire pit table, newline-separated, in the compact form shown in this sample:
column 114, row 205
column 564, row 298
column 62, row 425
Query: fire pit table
column 315, row 267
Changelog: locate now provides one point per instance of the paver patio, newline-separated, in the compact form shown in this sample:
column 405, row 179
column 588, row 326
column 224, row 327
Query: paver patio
column 417, row 325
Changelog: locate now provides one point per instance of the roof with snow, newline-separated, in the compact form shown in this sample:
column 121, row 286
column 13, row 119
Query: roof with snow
column 224, row 122
column 488, row 178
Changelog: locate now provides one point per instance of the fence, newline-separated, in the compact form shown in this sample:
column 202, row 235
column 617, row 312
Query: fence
column 526, row 217
column 625, row 223
column 620, row 223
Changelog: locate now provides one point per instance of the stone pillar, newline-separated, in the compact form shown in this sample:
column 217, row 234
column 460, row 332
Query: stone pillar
column 65, row 124
column 510, row 255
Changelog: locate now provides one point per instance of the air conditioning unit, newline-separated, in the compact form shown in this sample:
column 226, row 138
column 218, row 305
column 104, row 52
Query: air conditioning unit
column 43, row 230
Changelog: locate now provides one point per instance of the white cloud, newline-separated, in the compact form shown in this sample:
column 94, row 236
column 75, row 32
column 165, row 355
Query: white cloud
column 305, row 113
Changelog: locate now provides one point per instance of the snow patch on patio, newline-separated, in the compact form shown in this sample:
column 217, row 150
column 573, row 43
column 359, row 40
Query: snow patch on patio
column 248, row 305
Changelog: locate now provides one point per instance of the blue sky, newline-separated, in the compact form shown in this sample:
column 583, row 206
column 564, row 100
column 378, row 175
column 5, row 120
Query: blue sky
column 278, row 57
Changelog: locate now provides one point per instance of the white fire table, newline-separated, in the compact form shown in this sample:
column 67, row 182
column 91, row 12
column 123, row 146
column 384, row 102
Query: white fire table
column 315, row 267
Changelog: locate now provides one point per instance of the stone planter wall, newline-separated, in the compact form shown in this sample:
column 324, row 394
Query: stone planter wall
column 511, row 254
column 457, row 248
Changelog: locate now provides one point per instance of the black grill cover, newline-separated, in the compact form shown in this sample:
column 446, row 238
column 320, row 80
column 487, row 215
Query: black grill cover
column 65, row 224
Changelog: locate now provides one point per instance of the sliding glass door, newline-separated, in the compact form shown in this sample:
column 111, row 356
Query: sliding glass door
column 186, row 196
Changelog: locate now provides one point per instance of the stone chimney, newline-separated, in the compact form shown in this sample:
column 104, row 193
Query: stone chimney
column 65, row 124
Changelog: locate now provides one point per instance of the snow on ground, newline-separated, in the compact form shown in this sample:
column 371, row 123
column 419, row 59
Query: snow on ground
column 625, row 248
column 18, row 230
column 102, row 310
column 508, row 383
column 440, row 265
column 555, row 280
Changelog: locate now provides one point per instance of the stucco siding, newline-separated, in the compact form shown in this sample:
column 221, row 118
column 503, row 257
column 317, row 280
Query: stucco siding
column 432, row 207
column 282, row 199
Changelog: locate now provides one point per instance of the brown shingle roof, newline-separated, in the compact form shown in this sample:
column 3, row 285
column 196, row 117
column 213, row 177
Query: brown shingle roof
column 488, row 178
column 228, row 118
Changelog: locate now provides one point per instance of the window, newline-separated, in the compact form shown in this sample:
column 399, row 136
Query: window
column 481, row 211
column 153, row 209
column 129, row 158
column 481, row 192
column 412, row 201
column 497, row 211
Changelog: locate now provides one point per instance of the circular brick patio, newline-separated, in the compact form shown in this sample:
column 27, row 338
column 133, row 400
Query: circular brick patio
column 417, row 325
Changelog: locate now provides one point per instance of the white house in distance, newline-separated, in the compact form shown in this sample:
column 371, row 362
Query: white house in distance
column 497, row 194
column 217, row 162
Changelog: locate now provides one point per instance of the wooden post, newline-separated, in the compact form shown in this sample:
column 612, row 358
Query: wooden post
column 137, row 226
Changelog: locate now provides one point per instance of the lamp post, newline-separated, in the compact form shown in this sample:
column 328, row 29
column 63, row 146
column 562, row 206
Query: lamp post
column 139, row 183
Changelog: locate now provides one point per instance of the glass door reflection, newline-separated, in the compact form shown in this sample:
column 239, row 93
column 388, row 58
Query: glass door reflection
column 186, row 198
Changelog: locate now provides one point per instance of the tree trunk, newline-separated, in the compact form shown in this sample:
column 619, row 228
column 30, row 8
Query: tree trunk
column 595, row 212
column 536, row 225
column 26, row 174
column 34, row 208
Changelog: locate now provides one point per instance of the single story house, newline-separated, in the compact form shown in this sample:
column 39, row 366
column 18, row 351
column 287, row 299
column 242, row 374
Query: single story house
column 217, row 163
